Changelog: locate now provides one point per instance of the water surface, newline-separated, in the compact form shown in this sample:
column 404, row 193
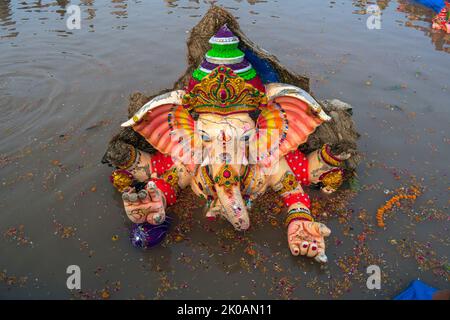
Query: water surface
column 63, row 94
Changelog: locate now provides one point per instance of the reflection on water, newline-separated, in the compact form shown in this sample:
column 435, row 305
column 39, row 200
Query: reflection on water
column 417, row 16
column 7, row 24
column 171, row 3
column 119, row 8
column 363, row 4
column 88, row 6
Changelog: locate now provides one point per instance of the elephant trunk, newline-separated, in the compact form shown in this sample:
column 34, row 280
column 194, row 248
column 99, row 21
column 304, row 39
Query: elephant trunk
column 234, row 209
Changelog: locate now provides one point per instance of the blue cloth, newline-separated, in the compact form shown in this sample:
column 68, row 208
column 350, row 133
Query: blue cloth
column 436, row 5
column 263, row 68
column 417, row 290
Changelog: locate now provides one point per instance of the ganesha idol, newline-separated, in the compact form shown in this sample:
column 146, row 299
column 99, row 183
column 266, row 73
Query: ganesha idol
column 229, row 137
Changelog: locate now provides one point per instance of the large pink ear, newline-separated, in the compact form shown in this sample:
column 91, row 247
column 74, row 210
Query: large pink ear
column 291, row 116
column 167, row 126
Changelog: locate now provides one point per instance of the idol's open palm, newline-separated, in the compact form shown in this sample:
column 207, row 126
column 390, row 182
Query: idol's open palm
column 306, row 238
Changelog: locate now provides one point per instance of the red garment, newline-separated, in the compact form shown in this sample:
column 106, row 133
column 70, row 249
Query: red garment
column 161, row 163
column 296, row 198
column 298, row 163
column 167, row 190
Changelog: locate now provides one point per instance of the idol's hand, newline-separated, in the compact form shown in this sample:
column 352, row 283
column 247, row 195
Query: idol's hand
column 146, row 205
column 307, row 239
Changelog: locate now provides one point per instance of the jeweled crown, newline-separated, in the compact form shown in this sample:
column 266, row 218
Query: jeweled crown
column 223, row 92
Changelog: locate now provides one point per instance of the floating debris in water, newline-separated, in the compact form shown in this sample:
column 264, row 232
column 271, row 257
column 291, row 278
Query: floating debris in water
column 17, row 234
column 64, row 232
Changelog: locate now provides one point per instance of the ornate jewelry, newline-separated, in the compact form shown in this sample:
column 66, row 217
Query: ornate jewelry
column 332, row 179
column 288, row 183
column 328, row 157
column 121, row 179
column 299, row 210
column 223, row 92
column 246, row 178
column 227, row 177
column 171, row 177
column 300, row 214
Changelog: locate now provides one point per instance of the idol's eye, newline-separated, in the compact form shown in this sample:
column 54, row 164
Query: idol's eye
column 245, row 138
column 205, row 137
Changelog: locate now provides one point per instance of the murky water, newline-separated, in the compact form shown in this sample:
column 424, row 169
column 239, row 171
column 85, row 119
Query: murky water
column 63, row 93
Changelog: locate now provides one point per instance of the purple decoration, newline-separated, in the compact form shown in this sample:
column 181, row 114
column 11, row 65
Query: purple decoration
column 237, row 66
column 145, row 235
column 224, row 32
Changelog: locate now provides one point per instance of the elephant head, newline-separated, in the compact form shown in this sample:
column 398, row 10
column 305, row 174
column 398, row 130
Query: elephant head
column 223, row 135
column 225, row 151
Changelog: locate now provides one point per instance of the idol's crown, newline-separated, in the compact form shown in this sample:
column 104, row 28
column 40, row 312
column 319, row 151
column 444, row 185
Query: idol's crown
column 223, row 92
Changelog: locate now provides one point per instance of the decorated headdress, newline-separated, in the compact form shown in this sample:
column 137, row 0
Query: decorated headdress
column 225, row 82
column 223, row 92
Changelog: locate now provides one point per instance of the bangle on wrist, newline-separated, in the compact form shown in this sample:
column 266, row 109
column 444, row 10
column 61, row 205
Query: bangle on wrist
column 298, row 214
column 328, row 157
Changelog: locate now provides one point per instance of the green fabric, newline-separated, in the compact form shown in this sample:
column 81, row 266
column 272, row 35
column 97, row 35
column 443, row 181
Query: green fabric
column 198, row 74
column 225, row 51
column 247, row 75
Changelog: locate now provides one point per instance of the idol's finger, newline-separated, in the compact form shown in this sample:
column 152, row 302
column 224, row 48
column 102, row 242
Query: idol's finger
column 312, row 250
column 133, row 197
column 125, row 197
column 155, row 218
column 153, row 191
column 295, row 250
column 126, row 194
column 304, row 248
column 143, row 196
column 158, row 218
